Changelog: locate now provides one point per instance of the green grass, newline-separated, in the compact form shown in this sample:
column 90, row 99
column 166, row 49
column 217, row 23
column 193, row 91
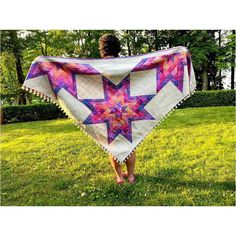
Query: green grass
column 188, row 160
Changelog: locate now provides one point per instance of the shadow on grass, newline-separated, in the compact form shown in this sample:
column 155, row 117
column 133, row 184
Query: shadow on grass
column 56, row 189
column 177, row 182
column 172, row 177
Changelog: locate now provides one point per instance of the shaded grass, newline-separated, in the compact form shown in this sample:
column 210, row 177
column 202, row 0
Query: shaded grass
column 187, row 160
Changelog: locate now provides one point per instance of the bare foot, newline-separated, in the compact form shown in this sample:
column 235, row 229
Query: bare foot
column 119, row 180
column 131, row 179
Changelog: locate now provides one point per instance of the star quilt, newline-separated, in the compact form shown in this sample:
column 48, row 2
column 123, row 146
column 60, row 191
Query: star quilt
column 116, row 101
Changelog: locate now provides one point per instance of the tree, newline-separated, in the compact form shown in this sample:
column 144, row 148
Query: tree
column 212, row 52
column 226, row 55
column 232, row 59
column 12, row 43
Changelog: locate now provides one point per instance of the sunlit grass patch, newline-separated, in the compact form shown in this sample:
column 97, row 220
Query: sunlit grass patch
column 187, row 160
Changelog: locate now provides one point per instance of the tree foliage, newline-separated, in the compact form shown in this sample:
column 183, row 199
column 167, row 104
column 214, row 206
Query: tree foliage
column 212, row 51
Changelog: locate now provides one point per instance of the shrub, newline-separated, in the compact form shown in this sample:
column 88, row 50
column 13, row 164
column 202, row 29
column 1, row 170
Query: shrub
column 211, row 98
column 41, row 111
column 49, row 111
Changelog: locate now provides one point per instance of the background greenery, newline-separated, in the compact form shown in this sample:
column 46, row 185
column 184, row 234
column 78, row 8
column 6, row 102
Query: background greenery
column 213, row 53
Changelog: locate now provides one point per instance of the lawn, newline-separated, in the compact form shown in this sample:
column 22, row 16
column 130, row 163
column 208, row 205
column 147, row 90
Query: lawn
column 187, row 160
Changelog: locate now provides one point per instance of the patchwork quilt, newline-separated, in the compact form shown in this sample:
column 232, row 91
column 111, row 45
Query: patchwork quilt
column 116, row 101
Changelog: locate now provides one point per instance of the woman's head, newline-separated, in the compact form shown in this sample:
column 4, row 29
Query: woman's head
column 109, row 45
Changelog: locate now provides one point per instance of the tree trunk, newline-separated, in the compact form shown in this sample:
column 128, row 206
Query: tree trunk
column 233, row 63
column 46, row 44
column 169, row 40
column 211, row 64
column 134, row 43
column 42, row 50
column 16, row 52
column 148, row 36
column 220, row 71
column 2, row 117
column 156, row 40
column 205, row 75
column 128, row 43
column 232, row 77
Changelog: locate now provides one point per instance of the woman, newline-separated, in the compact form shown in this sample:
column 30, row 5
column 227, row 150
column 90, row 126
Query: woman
column 109, row 46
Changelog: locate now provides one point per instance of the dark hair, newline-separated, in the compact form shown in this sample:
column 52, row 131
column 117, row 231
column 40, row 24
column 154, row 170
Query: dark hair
column 109, row 45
